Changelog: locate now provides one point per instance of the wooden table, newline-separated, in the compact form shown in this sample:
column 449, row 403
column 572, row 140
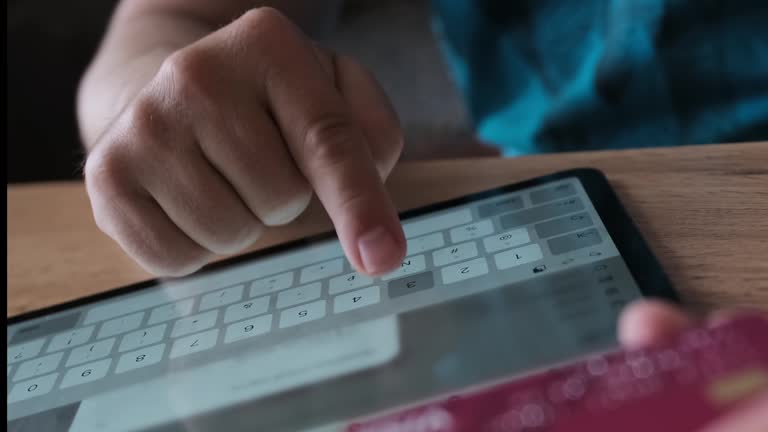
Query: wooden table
column 703, row 209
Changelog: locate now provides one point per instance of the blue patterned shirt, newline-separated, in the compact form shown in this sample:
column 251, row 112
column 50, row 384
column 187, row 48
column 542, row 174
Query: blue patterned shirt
column 559, row 75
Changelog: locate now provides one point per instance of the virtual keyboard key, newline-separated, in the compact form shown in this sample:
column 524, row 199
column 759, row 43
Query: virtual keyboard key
column 248, row 328
column 140, row 338
column 301, row 314
column 91, row 351
column 348, row 282
column 38, row 366
column 356, row 299
column 322, row 270
column 540, row 213
column 32, row 388
column 221, row 297
column 574, row 241
column 552, row 193
column 294, row 296
column 86, row 373
column 409, row 265
column 519, row 256
column 504, row 205
column 140, row 358
column 70, row 338
column 246, row 309
column 466, row 270
column 45, row 328
column 194, row 343
column 194, row 323
column 411, row 284
column 506, row 240
column 471, row 231
column 563, row 225
column 121, row 325
column 271, row 284
column 425, row 243
column 454, row 253
column 24, row 351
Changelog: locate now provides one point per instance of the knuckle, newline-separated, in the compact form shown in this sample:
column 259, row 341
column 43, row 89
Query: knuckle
column 287, row 207
column 150, row 249
column 103, row 169
column 262, row 29
column 262, row 19
column 146, row 120
column 235, row 238
column 101, row 216
column 328, row 141
column 189, row 73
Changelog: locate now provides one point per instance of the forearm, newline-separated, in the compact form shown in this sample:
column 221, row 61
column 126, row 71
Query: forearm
column 143, row 33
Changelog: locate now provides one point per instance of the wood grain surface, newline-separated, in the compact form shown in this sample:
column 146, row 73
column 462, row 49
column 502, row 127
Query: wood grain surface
column 703, row 209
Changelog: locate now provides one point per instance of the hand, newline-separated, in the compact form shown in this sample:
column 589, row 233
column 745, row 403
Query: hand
column 236, row 132
column 647, row 322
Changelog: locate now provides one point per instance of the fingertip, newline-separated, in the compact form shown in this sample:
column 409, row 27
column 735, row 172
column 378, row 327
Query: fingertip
column 649, row 321
column 381, row 250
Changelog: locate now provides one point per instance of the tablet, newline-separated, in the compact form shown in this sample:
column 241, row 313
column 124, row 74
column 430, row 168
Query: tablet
column 494, row 285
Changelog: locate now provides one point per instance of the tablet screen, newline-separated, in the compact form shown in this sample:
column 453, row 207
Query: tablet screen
column 498, row 284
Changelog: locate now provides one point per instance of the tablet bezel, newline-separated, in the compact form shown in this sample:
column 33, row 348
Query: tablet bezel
column 640, row 260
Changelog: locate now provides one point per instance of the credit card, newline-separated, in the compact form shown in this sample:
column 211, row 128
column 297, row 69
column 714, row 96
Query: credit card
column 681, row 385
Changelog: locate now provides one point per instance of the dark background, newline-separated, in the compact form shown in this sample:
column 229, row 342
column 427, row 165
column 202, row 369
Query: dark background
column 51, row 42
column 49, row 45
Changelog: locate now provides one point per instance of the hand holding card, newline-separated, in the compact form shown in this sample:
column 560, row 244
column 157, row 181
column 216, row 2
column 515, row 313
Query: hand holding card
column 704, row 378
column 646, row 322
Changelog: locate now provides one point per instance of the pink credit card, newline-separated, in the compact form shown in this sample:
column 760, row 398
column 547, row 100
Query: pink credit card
column 680, row 386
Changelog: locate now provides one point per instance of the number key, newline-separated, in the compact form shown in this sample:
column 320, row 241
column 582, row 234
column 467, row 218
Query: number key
column 248, row 328
column 86, row 373
column 32, row 388
column 194, row 343
column 465, row 270
column 140, row 358
column 356, row 299
column 301, row 314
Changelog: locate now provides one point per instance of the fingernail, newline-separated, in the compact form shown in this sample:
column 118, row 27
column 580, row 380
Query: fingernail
column 378, row 251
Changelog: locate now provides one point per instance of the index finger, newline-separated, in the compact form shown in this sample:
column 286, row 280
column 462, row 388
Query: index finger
column 327, row 145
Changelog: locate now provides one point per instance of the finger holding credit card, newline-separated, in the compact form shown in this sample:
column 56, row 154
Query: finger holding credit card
column 705, row 378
